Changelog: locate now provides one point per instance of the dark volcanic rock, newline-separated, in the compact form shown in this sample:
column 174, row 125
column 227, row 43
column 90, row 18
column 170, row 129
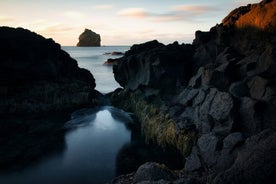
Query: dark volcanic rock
column 153, row 64
column 37, row 76
column 224, row 90
column 89, row 39
column 111, row 61
column 153, row 172
column 192, row 161
column 255, row 163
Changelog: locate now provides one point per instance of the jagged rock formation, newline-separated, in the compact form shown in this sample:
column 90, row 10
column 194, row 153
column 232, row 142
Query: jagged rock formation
column 147, row 65
column 219, row 105
column 37, row 76
column 89, row 39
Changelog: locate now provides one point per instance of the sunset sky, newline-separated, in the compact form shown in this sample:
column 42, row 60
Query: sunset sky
column 119, row 22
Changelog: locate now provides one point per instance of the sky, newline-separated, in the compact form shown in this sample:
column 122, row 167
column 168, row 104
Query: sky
column 119, row 22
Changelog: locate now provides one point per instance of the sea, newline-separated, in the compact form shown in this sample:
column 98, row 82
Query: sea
column 91, row 147
column 93, row 58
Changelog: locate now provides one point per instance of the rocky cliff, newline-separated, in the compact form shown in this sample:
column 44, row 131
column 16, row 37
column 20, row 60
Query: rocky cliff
column 214, row 100
column 89, row 39
column 37, row 76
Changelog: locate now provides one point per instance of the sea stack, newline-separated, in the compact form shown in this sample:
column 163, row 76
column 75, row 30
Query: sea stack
column 89, row 39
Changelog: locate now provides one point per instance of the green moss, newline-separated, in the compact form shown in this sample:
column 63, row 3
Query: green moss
column 156, row 126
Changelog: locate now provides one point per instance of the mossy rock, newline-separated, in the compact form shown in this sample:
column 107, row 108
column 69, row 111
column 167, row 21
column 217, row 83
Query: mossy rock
column 156, row 125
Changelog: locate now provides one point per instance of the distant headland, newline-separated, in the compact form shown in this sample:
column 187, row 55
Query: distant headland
column 89, row 39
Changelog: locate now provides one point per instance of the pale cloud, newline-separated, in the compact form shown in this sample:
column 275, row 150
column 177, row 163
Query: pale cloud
column 188, row 13
column 73, row 14
column 5, row 19
column 194, row 9
column 134, row 12
column 59, row 28
column 103, row 7
column 168, row 17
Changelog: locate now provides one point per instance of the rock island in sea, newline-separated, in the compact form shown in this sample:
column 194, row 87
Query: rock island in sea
column 89, row 39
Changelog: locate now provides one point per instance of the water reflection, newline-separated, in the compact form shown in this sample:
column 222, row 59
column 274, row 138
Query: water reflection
column 92, row 149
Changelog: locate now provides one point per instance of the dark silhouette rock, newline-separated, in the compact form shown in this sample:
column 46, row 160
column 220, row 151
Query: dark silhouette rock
column 221, row 106
column 25, row 140
column 207, row 144
column 153, row 172
column 238, row 89
column 257, row 86
column 37, row 76
column 153, row 64
column 193, row 161
column 114, row 53
column 89, row 39
column 111, row 61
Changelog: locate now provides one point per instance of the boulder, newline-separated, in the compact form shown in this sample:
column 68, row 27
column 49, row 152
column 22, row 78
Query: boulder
column 207, row 145
column 192, row 161
column 257, row 86
column 248, row 124
column 229, row 151
column 221, row 106
column 238, row 89
column 37, row 76
column 203, row 123
column 89, row 39
column 153, row 172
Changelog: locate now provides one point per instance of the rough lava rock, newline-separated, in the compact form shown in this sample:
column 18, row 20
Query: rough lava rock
column 89, row 39
column 37, row 76
column 152, row 64
column 222, row 87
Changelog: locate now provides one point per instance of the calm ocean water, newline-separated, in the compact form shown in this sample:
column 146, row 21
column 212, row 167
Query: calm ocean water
column 92, row 58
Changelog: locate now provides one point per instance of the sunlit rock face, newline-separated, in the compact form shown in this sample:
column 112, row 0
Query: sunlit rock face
column 89, row 39
column 37, row 76
column 261, row 16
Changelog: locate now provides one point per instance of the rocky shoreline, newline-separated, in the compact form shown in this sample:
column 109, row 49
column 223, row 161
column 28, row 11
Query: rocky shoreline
column 213, row 100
